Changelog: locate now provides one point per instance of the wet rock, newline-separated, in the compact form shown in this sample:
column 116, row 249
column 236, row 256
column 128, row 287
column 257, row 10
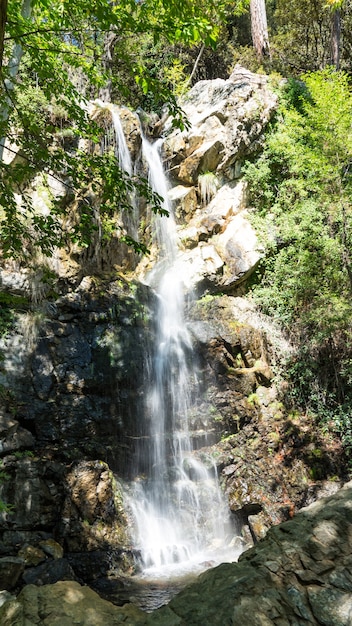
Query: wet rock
column 242, row 517
column 185, row 201
column 11, row 569
column 49, row 572
column 35, row 490
column 31, row 555
column 14, row 540
column 51, row 548
column 98, row 564
column 282, row 580
column 12, row 436
column 5, row 596
column 263, row 587
column 42, row 371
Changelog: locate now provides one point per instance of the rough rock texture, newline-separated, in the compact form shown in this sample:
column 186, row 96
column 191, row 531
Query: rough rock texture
column 73, row 384
column 300, row 574
column 227, row 120
column 76, row 369
column 65, row 604
column 268, row 454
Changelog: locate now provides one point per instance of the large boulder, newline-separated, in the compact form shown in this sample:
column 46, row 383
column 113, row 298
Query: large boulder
column 226, row 122
column 63, row 604
column 300, row 574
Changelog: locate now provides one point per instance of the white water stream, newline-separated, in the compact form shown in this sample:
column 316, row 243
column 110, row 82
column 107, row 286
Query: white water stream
column 181, row 517
column 122, row 152
column 182, row 522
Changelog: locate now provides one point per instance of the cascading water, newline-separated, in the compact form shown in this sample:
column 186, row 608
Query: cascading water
column 123, row 157
column 180, row 514
column 119, row 143
column 122, row 152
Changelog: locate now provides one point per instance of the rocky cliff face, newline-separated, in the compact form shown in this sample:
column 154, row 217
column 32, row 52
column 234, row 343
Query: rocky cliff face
column 74, row 366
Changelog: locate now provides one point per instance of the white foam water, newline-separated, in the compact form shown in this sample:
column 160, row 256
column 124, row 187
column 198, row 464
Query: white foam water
column 181, row 518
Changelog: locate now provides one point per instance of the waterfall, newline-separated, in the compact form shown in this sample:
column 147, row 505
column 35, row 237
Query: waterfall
column 179, row 510
column 121, row 149
column 118, row 142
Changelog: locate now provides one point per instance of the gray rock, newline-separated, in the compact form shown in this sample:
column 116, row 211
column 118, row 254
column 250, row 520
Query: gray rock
column 330, row 606
column 63, row 604
column 49, row 572
column 11, row 568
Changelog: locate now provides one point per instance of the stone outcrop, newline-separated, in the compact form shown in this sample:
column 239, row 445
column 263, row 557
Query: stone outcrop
column 227, row 119
column 268, row 453
column 69, row 396
column 64, row 604
column 300, row 574
column 74, row 368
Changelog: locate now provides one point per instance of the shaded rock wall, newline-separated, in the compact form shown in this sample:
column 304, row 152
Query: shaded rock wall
column 76, row 369
column 72, row 384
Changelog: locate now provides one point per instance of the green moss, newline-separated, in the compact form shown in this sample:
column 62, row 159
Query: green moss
column 253, row 399
column 24, row 454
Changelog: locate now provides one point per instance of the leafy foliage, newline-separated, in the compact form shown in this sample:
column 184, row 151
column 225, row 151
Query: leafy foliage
column 64, row 50
column 301, row 186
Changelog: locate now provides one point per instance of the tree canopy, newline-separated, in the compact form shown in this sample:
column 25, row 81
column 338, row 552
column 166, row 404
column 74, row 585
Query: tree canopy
column 54, row 61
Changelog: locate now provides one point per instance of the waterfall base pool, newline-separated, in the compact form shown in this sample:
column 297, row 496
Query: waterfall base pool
column 155, row 587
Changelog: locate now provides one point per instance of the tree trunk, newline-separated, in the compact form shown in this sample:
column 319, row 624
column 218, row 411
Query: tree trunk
column 259, row 28
column 107, row 62
column 335, row 38
column 3, row 17
column 195, row 66
column 13, row 67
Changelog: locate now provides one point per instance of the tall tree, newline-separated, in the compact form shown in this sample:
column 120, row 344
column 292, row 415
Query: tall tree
column 335, row 31
column 259, row 28
column 9, row 84
column 3, row 18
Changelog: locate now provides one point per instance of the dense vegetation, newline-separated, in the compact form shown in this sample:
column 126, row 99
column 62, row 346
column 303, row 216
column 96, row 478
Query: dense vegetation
column 301, row 188
column 58, row 55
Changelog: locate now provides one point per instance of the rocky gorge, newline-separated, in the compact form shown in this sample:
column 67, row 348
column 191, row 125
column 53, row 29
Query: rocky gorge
column 72, row 390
